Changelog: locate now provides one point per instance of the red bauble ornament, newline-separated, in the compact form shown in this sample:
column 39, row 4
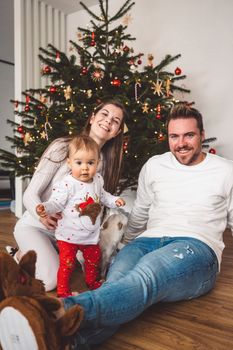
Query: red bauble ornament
column 47, row 70
column 125, row 146
column 116, row 82
column 131, row 61
column 20, row 129
column 27, row 108
column 84, row 70
column 92, row 43
column 178, row 71
column 158, row 115
column 52, row 89
column 161, row 137
column 139, row 61
column 57, row 59
column 212, row 150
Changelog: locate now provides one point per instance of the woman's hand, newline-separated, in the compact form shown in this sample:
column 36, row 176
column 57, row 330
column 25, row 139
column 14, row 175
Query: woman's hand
column 50, row 222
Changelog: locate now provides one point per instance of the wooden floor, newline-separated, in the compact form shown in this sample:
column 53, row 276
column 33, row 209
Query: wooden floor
column 202, row 324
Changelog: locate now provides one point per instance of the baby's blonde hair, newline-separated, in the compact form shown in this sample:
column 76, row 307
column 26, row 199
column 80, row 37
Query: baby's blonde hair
column 83, row 142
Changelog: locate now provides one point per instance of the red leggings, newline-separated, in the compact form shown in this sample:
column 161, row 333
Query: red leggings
column 67, row 256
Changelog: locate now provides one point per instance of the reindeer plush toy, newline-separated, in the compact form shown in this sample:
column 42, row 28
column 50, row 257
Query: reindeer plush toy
column 28, row 317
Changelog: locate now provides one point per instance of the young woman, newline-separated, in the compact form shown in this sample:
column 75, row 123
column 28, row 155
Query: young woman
column 105, row 126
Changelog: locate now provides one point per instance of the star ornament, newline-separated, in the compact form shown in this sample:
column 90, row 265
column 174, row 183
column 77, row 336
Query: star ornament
column 80, row 36
column 157, row 87
column 67, row 92
column 72, row 108
column 43, row 135
column 97, row 75
column 127, row 19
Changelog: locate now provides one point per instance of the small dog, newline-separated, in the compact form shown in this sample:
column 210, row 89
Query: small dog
column 110, row 236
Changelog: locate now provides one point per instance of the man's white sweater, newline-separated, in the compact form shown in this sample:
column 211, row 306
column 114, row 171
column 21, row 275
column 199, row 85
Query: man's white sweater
column 179, row 200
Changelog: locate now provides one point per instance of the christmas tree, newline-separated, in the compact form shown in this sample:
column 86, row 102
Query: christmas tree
column 102, row 65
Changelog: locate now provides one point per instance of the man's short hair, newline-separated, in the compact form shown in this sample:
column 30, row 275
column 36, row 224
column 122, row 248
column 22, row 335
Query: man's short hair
column 184, row 110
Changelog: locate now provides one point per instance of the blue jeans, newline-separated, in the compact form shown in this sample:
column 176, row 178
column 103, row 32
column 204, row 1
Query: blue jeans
column 145, row 272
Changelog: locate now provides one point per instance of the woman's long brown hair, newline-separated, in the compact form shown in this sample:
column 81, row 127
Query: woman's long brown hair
column 112, row 150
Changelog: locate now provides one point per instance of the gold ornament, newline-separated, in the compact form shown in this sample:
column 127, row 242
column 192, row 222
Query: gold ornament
column 89, row 93
column 67, row 92
column 118, row 50
column 125, row 129
column 168, row 85
column 145, row 108
column 43, row 99
column 127, row 19
column 27, row 138
column 150, row 58
column 43, row 134
column 80, row 36
column 157, row 87
column 71, row 108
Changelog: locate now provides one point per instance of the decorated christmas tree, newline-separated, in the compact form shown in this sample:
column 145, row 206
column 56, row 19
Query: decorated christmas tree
column 101, row 65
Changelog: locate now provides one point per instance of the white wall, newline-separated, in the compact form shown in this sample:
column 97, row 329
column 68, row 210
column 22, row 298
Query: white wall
column 201, row 31
column 6, row 70
column 6, row 109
